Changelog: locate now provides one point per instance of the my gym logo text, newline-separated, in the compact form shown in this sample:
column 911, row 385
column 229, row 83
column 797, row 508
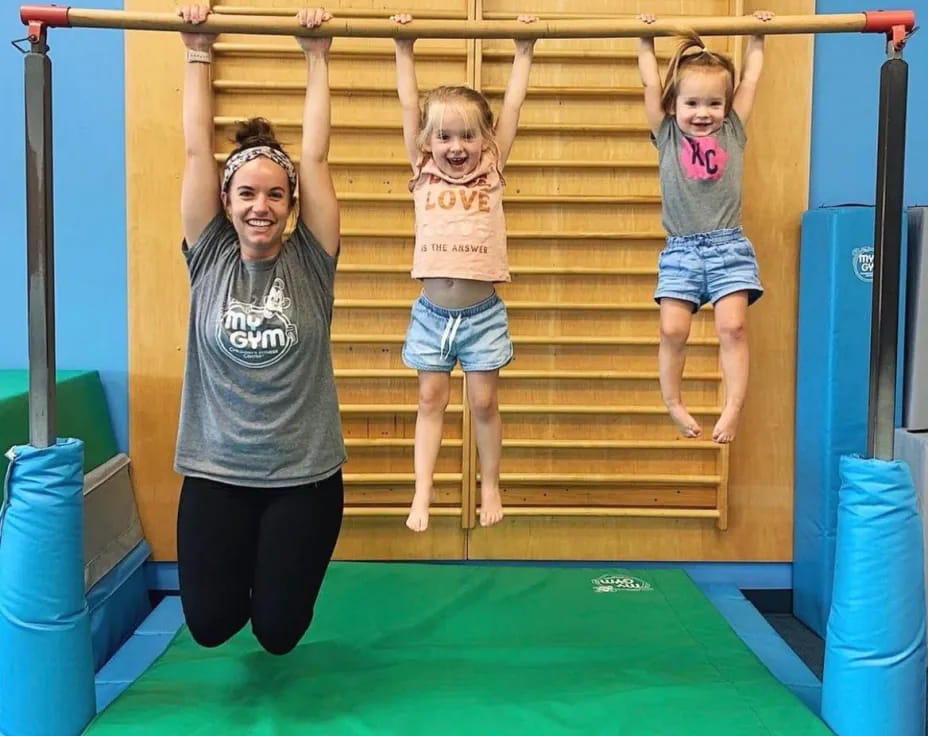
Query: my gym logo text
column 862, row 259
column 620, row 584
column 257, row 335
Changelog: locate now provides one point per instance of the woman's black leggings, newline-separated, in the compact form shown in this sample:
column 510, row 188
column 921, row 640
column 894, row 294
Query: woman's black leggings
column 255, row 553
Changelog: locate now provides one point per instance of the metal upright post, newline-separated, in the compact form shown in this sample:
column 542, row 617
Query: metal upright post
column 40, row 239
column 887, row 249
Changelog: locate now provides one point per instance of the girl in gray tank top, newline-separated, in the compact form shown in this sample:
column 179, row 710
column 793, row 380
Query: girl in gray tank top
column 696, row 116
column 259, row 441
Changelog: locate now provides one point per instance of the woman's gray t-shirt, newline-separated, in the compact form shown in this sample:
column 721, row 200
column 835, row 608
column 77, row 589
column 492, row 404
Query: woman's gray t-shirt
column 701, row 177
column 259, row 406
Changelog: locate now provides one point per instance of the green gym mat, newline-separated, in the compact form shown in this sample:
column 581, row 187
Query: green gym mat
column 81, row 412
column 411, row 649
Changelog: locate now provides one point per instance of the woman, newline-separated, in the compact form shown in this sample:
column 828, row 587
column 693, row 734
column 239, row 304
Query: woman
column 259, row 442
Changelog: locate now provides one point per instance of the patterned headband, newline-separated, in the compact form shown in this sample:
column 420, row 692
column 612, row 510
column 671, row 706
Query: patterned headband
column 237, row 160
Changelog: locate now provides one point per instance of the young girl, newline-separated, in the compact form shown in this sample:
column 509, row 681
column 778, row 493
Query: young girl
column 696, row 119
column 457, row 158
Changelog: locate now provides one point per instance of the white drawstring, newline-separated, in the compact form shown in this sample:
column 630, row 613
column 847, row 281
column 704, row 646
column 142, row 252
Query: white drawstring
column 451, row 329
column 444, row 336
column 454, row 332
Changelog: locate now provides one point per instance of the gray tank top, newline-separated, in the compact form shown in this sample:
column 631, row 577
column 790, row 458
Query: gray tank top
column 701, row 177
column 259, row 406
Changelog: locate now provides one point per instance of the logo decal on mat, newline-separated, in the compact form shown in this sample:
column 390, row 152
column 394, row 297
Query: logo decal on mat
column 620, row 584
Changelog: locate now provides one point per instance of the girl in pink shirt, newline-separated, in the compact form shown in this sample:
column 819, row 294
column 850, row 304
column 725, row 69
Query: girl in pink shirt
column 457, row 156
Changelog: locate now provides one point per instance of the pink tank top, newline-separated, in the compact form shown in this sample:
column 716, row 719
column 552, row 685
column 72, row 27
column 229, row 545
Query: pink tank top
column 460, row 228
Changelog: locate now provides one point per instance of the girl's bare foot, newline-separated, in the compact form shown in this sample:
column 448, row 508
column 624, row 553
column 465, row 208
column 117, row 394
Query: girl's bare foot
column 726, row 426
column 418, row 519
column 686, row 425
column 491, row 506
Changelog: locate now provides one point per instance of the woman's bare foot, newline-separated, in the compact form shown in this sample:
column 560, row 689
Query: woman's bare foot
column 727, row 425
column 687, row 426
column 418, row 519
column 491, row 506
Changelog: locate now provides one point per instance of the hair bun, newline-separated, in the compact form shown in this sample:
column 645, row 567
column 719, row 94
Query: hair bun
column 255, row 132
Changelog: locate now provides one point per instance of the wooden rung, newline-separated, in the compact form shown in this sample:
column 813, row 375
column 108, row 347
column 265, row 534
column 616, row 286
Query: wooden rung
column 531, row 375
column 445, row 54
column 389, row 479
column 295, row 123
column 594, row 511
column 613, row 479
column 595, row 129
column 397, row 511
column 603, row 340
column 584, row 164
column 373, row 268
column 552, row 199
column 381, row 373
column 586, row 444
column 550, row 340
column 571, row 91
column 274, row 86
column 572, row 375
column 394, row 442
column 338, row 51
column 543, row 479
column 515, row 305
column 584, row 128
column 400, row 163
column 614, row 164
column 515, row 270
column 288, row 48
column 540, row 54
column 600, row 409
column 593, row 340
column 391, row 373
column 392, row 409
column 274, row 51
column 557, row 236
column 554, row 511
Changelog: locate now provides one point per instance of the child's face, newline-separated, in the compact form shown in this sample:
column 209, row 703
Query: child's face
column 700, row 104
column 455, row 147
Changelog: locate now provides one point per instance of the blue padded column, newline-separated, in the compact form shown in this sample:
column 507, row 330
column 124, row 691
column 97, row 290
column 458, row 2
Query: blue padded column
column 46, row 658
column 874, row 679
column 835, row 285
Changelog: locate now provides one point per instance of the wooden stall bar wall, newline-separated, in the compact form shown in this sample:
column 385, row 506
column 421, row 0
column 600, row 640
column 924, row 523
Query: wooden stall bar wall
column 592, row 468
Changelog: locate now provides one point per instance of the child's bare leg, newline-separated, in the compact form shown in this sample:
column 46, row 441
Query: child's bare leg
column 483, row 398
column 731, row 314
column 676, row 316
column 434, row 390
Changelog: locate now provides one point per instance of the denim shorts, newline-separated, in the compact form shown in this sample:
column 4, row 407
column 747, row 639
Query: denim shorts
column 705, row 267
column 477, row 335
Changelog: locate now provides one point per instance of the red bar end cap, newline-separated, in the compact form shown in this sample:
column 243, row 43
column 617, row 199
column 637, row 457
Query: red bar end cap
column 52, row 16
column 884, row 21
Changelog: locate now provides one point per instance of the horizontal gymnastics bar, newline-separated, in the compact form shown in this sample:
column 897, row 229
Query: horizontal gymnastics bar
column 866, row 22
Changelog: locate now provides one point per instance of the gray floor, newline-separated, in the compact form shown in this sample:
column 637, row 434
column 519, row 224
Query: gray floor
column 801, row 639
